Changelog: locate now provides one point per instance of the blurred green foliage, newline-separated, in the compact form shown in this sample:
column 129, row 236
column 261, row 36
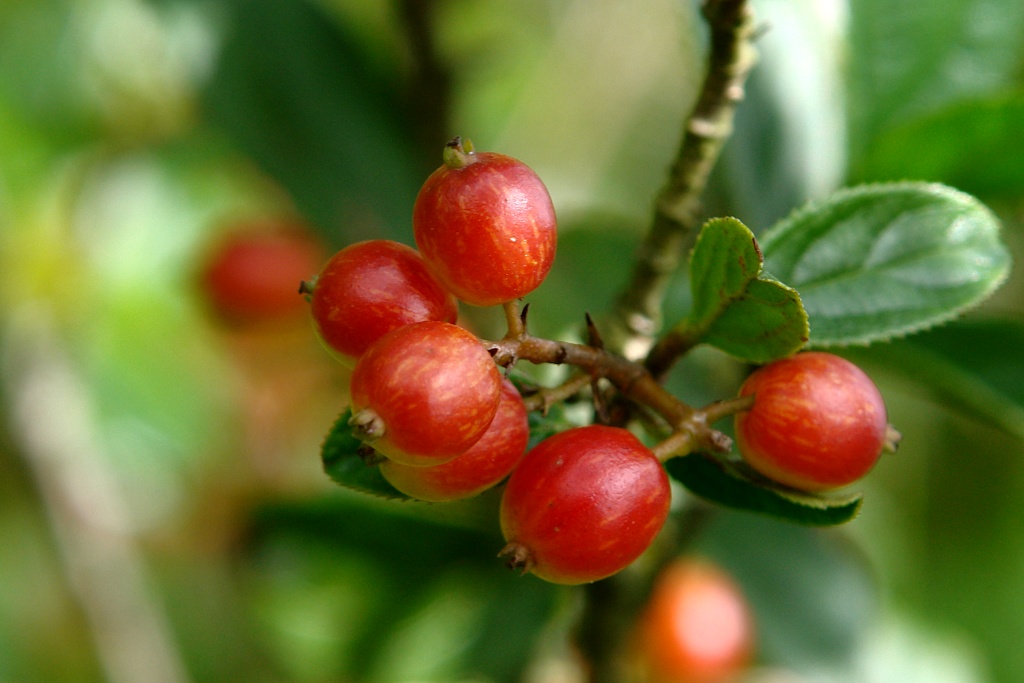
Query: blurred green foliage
column 163, row 515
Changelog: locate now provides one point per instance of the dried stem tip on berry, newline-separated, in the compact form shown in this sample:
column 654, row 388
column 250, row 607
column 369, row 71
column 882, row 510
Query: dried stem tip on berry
column 367, row 425
column 458, row 153
column 893, row 437
column 517, row 556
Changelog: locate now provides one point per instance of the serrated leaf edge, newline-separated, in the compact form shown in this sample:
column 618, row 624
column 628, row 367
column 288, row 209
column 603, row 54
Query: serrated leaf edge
column 849, row 503
column 811, row 206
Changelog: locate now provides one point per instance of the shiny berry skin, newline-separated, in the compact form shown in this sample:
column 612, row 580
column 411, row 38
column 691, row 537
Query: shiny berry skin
column 484, row 465
column 424, row 393
column 818, row 422
column 252, row 272
column 486, row 225
column 370, row 288
column 696, row 626
column 583, row 504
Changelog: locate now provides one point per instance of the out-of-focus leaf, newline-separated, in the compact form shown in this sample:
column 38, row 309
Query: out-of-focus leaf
column 879, row 261
column 752, row 318
column 293, row 91
column 908, row 58
column 542, row 426
column 344, row 462
column 710, row 480
column 789, row 139
column 975, row 146
column 811, row 590
column 405, row 568
column 974, row 366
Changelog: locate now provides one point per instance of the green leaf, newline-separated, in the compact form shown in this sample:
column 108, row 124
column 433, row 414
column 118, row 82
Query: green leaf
column 296, row 93
column 879, row 261
column 392, row 575
column 909, row 58
column 975, row 146
column 724, row 260
column 726, row 485
column 753, row 318
column 345, row 465
column 789, row 139
column 768, row 322
column 544, row 425
column 974, row 367
column 815, row 594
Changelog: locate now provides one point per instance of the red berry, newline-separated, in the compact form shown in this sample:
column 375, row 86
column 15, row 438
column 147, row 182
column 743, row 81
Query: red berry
column 252, row 273
column 583, row 504
column 696, row 627
column 486, row 225
column 818, row 422
column 485, row 464
column 370, row 288
column 424, row 393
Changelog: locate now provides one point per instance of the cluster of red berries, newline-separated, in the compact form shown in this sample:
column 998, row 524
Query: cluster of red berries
column 429, row 398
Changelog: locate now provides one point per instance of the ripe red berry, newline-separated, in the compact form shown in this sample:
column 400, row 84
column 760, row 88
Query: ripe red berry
column 583, row 504
column 250, row 275
column 424, row 393
column 370, row 288
column 486, row 225
column 485, row 464
column 818, row 422
column 696, row 627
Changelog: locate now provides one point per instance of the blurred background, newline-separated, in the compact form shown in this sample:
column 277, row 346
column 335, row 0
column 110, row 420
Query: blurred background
column 163, row 515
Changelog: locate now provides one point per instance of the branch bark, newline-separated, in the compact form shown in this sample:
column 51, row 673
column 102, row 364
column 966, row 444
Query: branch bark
column 636, row 316
column 690, row 427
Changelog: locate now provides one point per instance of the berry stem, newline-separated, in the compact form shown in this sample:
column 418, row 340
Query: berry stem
column 514, row 320
column 544, row 397
column 691, row 428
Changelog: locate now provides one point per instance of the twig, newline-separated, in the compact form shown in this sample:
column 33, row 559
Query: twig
column 636, row 318
column 691, row 428
column 637, row 312
column 86, row 510
column 544, row 397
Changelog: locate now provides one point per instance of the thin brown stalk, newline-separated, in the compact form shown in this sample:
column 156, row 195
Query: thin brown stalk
column 637, row 315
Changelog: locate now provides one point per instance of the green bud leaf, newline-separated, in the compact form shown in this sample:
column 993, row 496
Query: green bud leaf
column 720, row 483
column 345, row 465
column 880, row 261
column 766, row 323
column 735, row 308
column 725, row 259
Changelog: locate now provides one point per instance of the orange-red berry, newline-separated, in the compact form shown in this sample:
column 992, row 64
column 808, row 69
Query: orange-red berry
column 485, row 464
column 583, row 504
column 696, row 627
column 424, row 393
column 818, row 422
column 370, row 288
column 486, row 225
